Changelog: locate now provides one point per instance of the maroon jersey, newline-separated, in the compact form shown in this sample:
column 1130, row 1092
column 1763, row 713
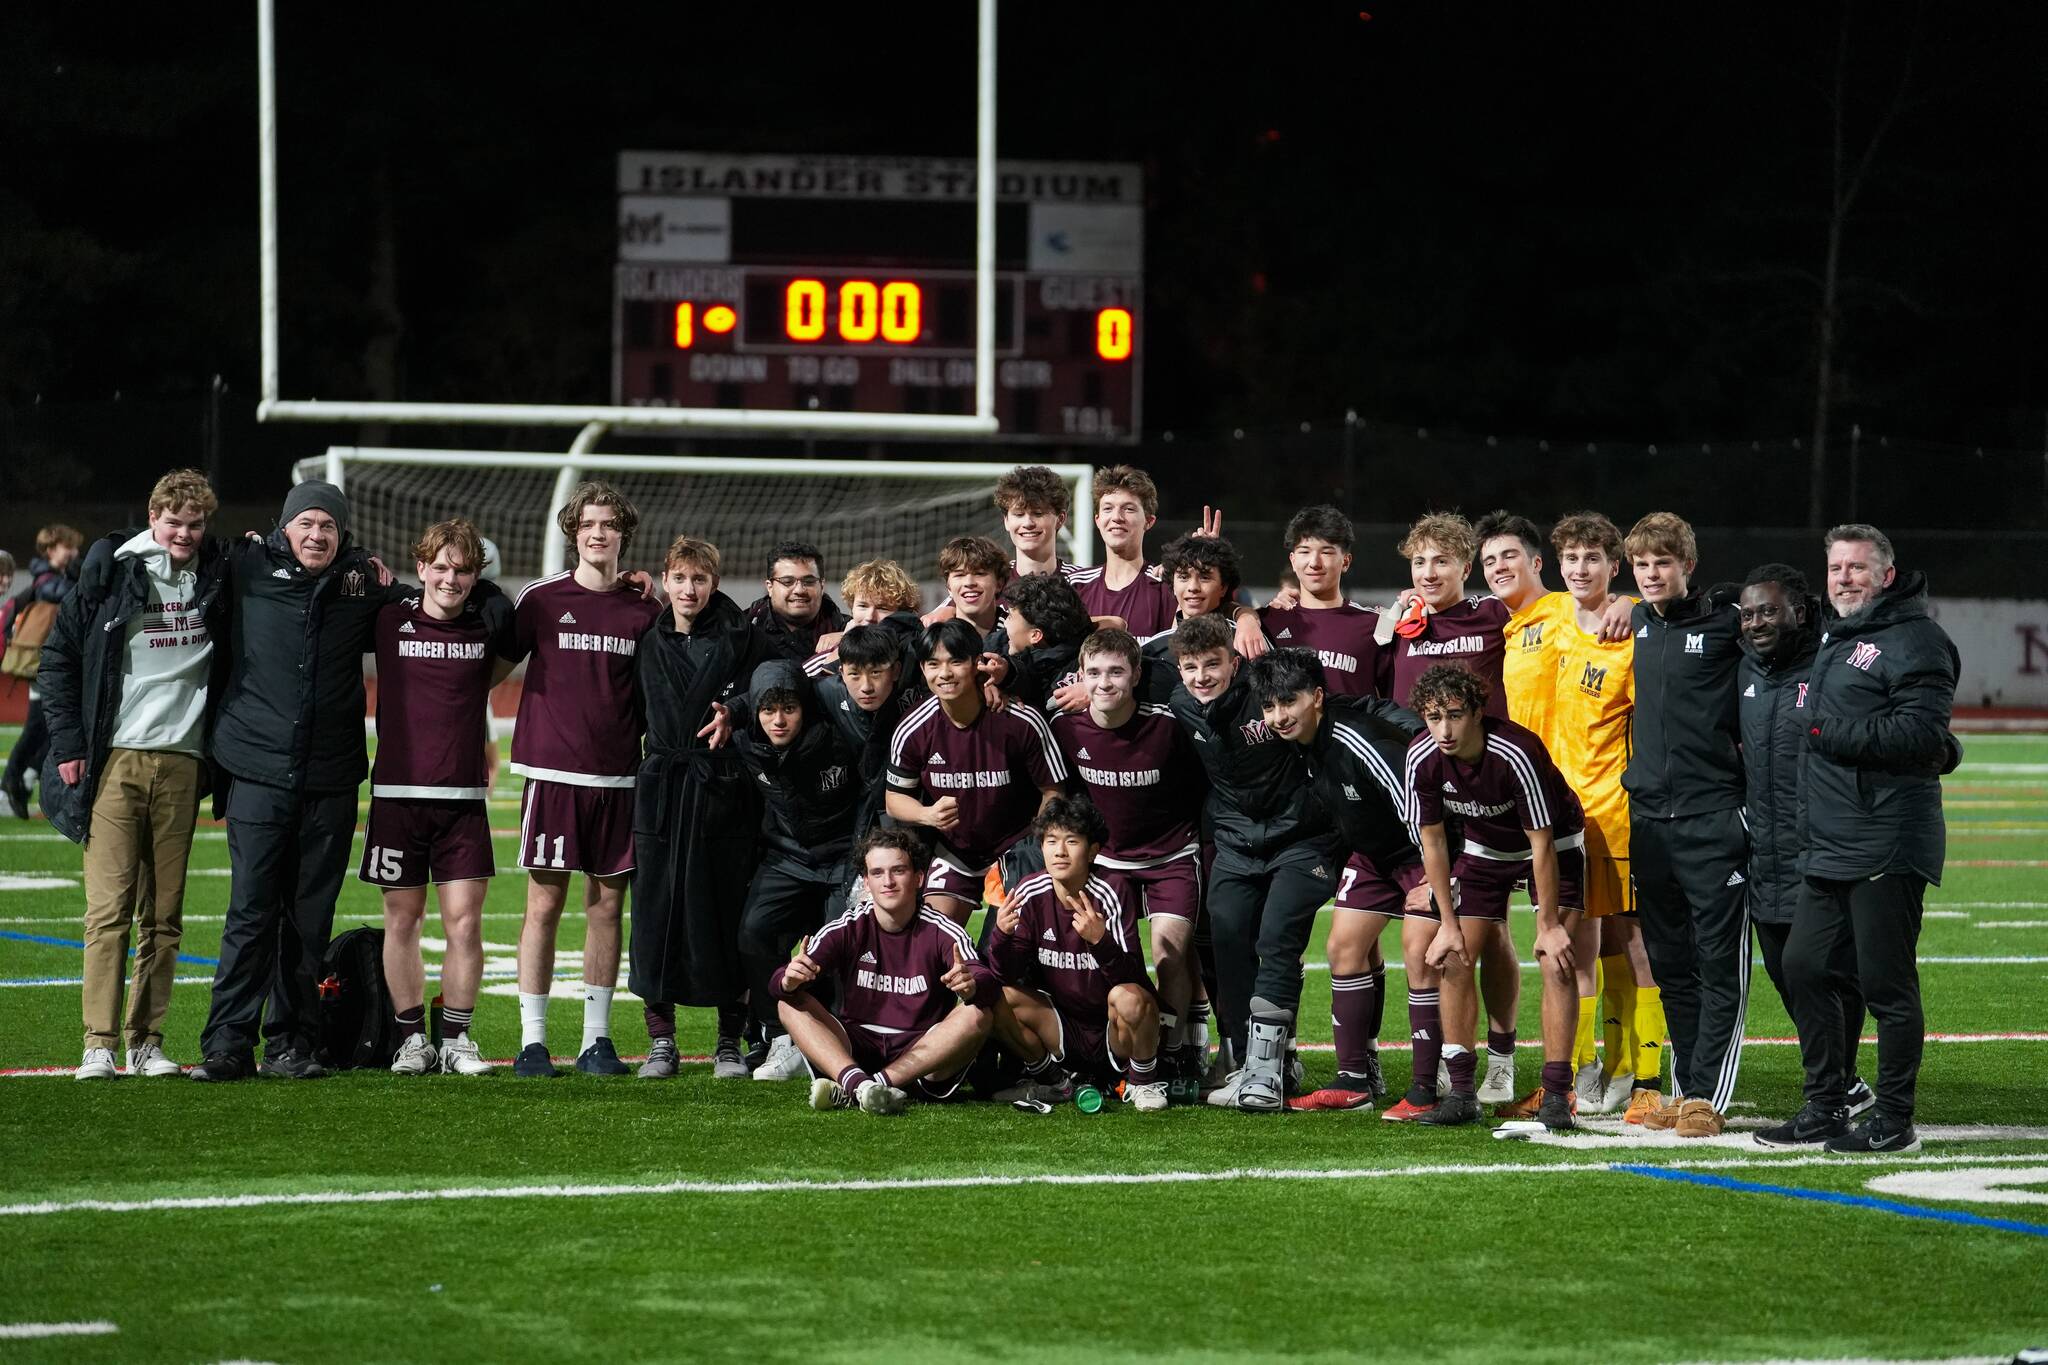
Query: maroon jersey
column 1145, row 603
column 580, row 714
column 1472, row 633
column 1510, row 789
column 1340, row 636
column 1048, row 953
column 891, row 982
column 433, row 696
column 994, row 768
column 1145, row 778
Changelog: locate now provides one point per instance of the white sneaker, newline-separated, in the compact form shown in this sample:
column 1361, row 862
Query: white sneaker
column 463, row 1057
column 1148, row 1098
column 1443, row 1079
column 97, row 1066
column 1615, row 1095
column 826, row 1094
column 783, row 1062
column 1592, row 1092
column 877, row 1098
column 1225, row 1095
column 1499, row 1085
column 149, row 1060
column 1221, row 1068
column 416, row 1056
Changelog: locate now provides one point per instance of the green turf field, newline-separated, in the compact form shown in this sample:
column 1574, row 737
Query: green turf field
column 369, row 1217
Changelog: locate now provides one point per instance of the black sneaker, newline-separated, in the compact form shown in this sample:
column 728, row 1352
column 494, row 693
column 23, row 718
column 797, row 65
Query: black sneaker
column 600, row 1059
column 1861, row 1098
column 1555, row 1113
column 533, row 1060
column 1453, row 1110
column 225, row 1066
column 1878, row 1135
column 1373, row 1075
column 291, row 1065
column 1810, row 1127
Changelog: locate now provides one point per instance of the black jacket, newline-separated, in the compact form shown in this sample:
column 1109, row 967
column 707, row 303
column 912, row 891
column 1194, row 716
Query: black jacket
column 811, row 790
column 1036, row 673
column 1772, row 701
column 1359, row 758
column 291, row 713
column 1881, row 697
column 82, row 669
column 681, row 675
column 795, row 642
column 1684, row 752
column 1260, row 798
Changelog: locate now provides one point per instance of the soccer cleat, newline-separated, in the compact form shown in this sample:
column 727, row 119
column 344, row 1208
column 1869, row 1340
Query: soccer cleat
column 1530, row 1106
column 1555, row 1113
column 462, row 1057
column 661, row 1061
column 1643, row 1101
column 291, row 1065
column 1148, row 1098
column 97, row 1065
column 533, row 1061
column 1332, row 1097
column 1452, row 1111
column 1878, row 1135
column 1405, row 1109
column 1617, row 1091
column 1376, row 1080
column 601, row 1059
column 1810, row 1127
column 1499, row 1085
column 826, row 1095
column 1297, row 1074
column 1698, row 1119
column 876, row 1097
column 1588, row 1090
column 1222, row 1067
column 149, row 1060
column 416, row 1056
column 783, row 1063
column 729, row 1060
column 1861, row 1098
column 225, row 1066
column 1051, row 1086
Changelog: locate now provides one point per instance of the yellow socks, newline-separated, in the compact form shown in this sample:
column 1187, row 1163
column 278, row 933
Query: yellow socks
column 1649, row 1033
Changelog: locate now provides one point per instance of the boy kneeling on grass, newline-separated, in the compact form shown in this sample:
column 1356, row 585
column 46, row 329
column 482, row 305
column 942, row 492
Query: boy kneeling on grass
column 1076, row 1000
column 914, row 997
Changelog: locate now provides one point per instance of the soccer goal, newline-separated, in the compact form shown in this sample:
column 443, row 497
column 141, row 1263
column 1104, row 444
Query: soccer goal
column 852, row 510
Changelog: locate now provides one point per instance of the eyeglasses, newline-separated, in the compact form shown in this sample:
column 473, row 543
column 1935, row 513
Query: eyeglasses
column 785, row 581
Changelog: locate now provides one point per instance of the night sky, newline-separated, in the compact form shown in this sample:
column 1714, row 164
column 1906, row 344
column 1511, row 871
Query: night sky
column 1607, row 222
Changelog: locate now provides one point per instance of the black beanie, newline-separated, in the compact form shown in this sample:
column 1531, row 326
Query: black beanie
column 315, row 493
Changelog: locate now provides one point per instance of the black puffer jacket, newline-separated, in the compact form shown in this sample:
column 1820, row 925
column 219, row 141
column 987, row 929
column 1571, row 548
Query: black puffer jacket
column 811, row 790
column 1881, row 698
column 82, row 673
column 1261, row 798
column 1772, row 702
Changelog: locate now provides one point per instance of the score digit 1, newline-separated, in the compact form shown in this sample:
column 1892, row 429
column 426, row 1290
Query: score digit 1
column 1113, row 334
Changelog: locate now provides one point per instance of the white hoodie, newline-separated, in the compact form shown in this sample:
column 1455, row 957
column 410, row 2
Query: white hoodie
column 163, row 689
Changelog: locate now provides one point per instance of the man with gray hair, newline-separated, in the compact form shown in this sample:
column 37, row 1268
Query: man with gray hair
column 1877, row 742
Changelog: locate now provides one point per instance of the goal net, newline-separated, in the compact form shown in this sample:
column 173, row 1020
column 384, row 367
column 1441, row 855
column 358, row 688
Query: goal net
column 852, row 510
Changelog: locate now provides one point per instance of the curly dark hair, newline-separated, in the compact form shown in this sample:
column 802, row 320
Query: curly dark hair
column 1031, row 486
column 1283, row 673
column 1444, row 685
column 1050, row 603
column 1193, row 554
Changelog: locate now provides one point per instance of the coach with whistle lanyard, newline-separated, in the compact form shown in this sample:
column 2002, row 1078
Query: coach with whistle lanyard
column 1877, row 742
column 288, row 743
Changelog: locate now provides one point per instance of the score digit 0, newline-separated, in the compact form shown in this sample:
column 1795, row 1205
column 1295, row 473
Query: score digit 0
column 893, row 311
column 1113, row 334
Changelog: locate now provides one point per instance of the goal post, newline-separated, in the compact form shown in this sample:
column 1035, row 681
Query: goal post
column 852, row 510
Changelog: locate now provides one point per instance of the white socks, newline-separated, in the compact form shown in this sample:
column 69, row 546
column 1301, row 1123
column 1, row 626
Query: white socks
column 533, row 1019
column 597, row 1013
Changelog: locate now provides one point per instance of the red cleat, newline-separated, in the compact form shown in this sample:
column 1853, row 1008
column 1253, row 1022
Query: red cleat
column 1332, row 1099
column 1404, row 1112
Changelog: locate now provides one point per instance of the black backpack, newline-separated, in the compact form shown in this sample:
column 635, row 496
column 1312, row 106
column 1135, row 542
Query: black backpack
column 358, row 1027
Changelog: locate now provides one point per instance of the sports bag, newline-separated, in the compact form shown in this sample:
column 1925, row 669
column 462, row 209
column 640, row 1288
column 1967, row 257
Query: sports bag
column 358, row 1027
column 24, row 653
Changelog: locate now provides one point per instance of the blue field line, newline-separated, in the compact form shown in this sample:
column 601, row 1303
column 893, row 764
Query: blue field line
column 1860, row 1201
column 79, row 943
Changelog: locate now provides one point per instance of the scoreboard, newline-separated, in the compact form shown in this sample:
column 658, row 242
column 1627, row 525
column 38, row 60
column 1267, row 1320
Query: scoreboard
column 846, row 284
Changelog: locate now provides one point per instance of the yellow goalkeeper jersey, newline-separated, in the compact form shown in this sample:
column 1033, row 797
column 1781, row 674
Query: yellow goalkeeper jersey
column 1593, row 706
column 1529, row 666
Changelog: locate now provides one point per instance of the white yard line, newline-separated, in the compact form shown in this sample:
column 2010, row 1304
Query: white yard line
column 29, row 1331
column 2011, row 924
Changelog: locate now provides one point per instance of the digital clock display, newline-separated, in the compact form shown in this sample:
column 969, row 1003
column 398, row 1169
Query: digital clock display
column 846, row 284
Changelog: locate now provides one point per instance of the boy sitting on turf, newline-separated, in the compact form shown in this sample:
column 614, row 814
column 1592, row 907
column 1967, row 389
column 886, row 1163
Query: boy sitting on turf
column 1076, row 1000
column 913, row 996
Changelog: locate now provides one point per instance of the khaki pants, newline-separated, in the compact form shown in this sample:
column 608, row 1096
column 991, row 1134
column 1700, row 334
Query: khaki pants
column 135, row 872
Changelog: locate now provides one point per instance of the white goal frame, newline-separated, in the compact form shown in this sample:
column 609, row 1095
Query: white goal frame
column 570, row 470
column 271, row 407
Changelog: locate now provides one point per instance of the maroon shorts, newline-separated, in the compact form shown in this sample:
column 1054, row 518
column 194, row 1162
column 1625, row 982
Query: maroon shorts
column 1485, row 885
column 872, row 1051
column 410, row 841
column 565, row 828
column 1173, row 889
column 1377, row 890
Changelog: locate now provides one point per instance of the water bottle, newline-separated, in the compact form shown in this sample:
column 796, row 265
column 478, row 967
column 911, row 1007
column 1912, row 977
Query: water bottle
column 1087, row 1099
